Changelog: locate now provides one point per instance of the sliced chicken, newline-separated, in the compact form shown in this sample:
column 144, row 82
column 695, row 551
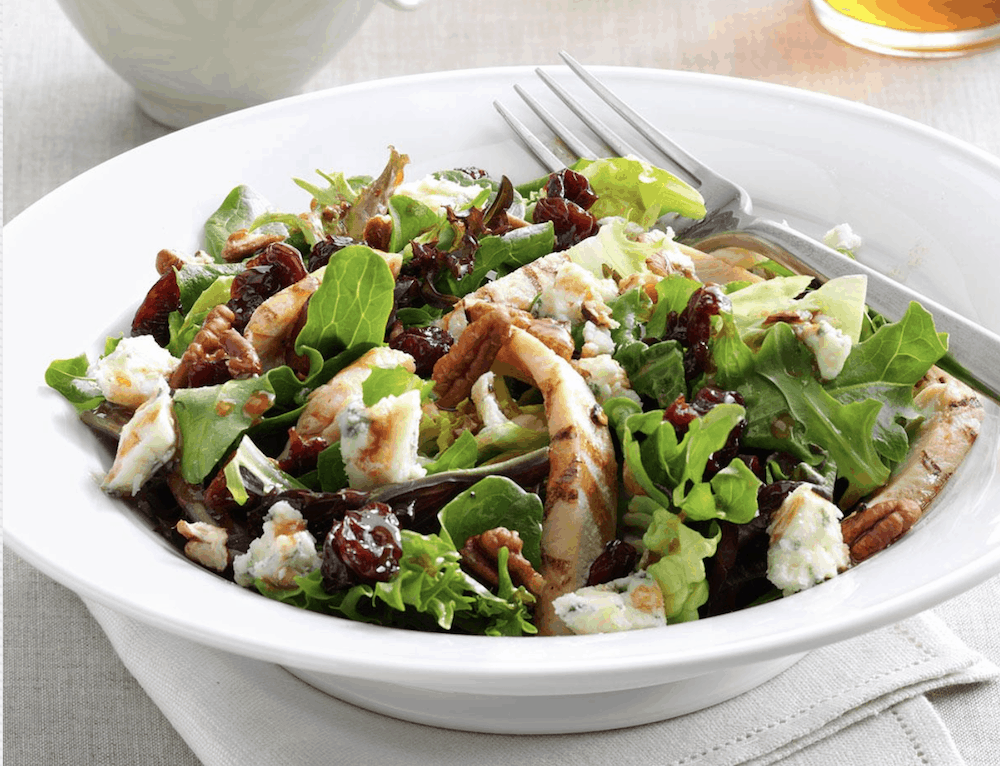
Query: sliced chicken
column 955, row 417
column 581, row 493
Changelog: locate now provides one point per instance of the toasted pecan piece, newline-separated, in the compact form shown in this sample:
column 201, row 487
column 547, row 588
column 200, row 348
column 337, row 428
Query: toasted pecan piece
column 471, row 355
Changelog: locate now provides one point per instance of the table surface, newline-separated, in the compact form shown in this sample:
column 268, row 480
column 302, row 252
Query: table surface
column 67, row 697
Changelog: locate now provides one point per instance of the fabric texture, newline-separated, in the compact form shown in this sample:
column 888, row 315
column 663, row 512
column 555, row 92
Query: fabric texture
column 826, row 709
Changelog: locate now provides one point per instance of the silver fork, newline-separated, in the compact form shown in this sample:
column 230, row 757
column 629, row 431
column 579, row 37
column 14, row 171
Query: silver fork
column 974, row 351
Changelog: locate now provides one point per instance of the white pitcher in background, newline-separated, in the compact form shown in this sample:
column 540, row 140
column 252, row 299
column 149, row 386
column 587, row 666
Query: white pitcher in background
column 194, row 59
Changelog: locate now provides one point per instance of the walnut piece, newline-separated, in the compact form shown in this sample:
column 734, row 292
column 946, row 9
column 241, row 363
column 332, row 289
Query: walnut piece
column 471, row 355
column 217, row 353
column 479, row 556
column 873, row 528
column 206, row 544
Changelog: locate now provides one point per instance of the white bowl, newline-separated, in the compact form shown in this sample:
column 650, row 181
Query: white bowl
column 786, row 147
column 194, row 59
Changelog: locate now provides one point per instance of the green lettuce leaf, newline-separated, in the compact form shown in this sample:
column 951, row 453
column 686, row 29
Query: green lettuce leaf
column 790, row 411
column 351, row 305
column 212, row 418
column 885, row 367
column 680, row 552
column 638, row 191
column 250, row 463
column 183, row 329
column 495, row 501
column 672, row 471
column 69, row 378
column 238, row 210
column 430, row 592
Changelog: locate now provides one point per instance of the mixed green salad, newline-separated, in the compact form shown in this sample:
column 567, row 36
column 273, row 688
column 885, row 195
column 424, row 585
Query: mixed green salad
column 342, row 408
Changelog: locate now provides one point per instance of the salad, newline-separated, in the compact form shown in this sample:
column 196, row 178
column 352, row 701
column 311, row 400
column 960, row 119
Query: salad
column 458, row 404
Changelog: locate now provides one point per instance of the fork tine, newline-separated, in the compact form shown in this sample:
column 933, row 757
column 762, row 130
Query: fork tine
column 575, row 145
column 540, row 150
column 680, row 157
column 616, row 142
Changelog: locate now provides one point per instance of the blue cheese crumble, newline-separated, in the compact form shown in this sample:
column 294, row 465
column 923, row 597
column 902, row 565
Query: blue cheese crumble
column 286, row 550
column 806, row 545
column 629, row 603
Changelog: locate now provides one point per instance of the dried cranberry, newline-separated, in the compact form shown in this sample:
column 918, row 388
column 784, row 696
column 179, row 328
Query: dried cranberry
column 425, row 344
column 152, row 317
column 616, row 560
column 571, row 222
column 301, row 454
column 276, row 267
column 771, row 496
column 692, row 328
column 709, row 396
column 572, row 186
column 365, row 546
column 324, row 249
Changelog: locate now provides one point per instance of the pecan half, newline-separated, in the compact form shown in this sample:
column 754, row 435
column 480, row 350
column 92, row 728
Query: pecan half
column 218, row 353
column 479, row 557
column 470, row 356
column 873, row 528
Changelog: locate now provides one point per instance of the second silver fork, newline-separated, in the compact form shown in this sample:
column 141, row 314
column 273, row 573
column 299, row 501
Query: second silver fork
column 974, row 351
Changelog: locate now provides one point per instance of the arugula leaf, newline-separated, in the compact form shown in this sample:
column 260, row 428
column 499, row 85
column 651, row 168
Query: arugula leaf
column 213, row 418
column 885, row 367
column 330, row 469
column 238, row 211
column 655, row 371
column 631, row 311
column 502, row 255
column 789, row 410
column 351, row 305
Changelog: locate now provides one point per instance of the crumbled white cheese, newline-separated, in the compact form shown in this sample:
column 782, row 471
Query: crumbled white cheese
column 286, row 550
column 437, row 193
column 842, row 237
column 132, row 373
column 576, row 295
column 606, row 377
column 379, row 443
column 806, row 545
column 147, row 442
column 669, row 258
column 830, row 346
column 630, row 603
column 596, row 340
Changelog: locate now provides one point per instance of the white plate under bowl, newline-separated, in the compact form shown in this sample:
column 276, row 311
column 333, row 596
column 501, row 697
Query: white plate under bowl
column 77, row 262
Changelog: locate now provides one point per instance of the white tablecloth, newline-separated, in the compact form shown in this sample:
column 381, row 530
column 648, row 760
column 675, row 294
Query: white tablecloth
column 67, row 696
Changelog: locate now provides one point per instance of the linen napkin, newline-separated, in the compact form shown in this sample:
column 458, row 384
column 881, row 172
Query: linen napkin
column 850, row 704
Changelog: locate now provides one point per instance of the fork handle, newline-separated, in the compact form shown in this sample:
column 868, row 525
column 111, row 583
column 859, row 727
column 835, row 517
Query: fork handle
column 977, row 347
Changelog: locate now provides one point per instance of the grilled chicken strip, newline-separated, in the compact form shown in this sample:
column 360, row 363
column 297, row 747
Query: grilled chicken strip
column 945, row 438
column 581, row 493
